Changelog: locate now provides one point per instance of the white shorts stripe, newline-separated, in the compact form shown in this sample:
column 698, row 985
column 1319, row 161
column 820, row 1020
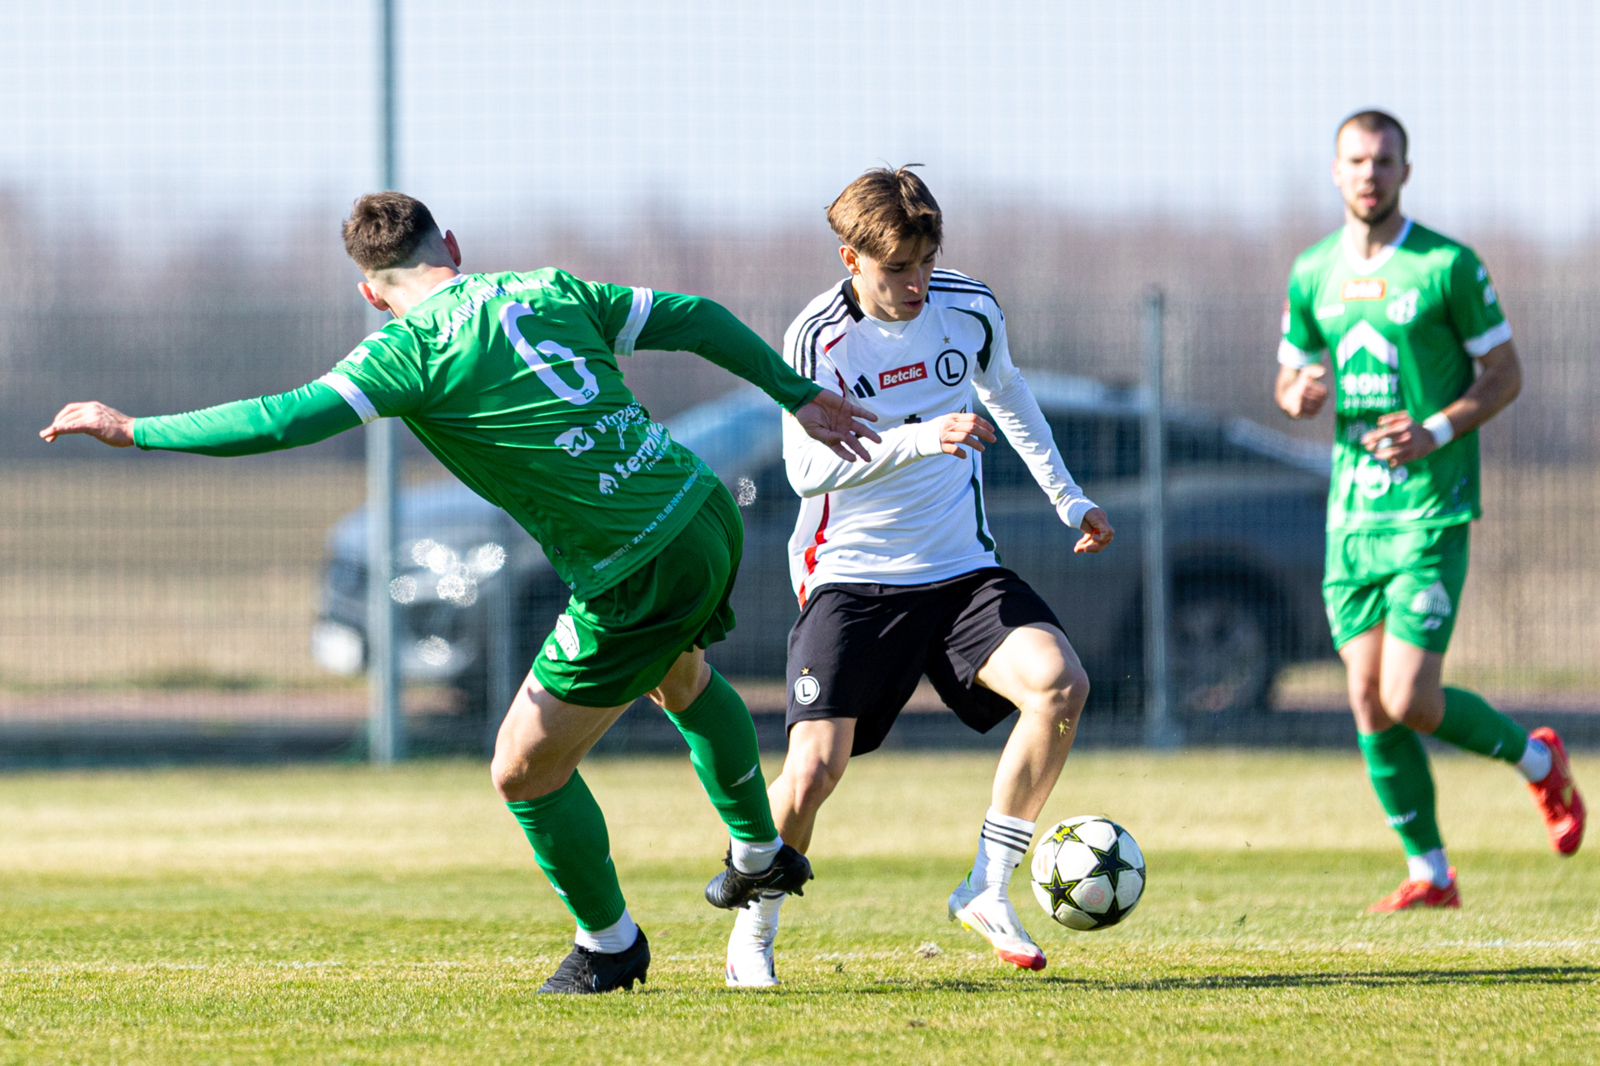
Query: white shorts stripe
column 638, row 315
column 1483, row 344
column 352, row 395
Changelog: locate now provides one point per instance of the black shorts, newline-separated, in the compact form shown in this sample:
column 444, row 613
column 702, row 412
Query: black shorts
column 858, row 650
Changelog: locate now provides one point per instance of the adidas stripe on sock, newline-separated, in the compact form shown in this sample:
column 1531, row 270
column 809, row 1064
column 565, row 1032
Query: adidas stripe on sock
column 1002, row 843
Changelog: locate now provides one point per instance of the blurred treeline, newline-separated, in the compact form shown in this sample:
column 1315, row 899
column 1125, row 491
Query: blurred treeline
column 182, row 322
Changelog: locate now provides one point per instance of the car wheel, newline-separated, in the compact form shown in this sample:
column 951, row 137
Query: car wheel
column 1222, row 654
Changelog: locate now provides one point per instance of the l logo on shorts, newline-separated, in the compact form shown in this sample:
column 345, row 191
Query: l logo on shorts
column 806, row 690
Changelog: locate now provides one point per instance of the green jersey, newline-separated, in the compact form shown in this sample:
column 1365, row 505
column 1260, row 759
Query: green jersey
column 511, row 380
column 1403, row 329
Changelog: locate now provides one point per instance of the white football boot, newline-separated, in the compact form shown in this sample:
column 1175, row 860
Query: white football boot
column 988, row 912
column 755, row 927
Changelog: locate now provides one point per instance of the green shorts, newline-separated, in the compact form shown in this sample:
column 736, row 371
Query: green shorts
column 617, row 645
column 1409, row 580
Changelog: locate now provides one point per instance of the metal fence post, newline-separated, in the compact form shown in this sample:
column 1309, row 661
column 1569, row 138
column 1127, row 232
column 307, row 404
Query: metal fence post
column 1161, row 730
column 498, row 665
column 385, row 725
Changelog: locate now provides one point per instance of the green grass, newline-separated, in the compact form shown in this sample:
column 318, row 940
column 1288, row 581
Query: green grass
column 346, row 915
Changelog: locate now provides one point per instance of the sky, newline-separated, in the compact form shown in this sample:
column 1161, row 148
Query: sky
column 201, row 117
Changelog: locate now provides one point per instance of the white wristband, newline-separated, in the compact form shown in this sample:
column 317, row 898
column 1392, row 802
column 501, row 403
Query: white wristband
column 1439, row 425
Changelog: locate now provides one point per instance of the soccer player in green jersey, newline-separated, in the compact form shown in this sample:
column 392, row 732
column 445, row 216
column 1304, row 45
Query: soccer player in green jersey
column 512, row 381
column 1421, row 357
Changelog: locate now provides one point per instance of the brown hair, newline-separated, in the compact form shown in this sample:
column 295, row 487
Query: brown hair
column 385, row 229
column 883, row 207
column 1376, row 122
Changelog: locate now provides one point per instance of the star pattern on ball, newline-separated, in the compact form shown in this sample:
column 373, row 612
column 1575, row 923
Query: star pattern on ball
column 1065, row 833
column 1109, row 862
column 1060, row 891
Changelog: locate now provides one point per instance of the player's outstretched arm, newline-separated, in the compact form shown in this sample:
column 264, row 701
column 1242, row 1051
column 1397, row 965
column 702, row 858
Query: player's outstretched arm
column 1401, row 439
column 245, row 427
column 696, row 324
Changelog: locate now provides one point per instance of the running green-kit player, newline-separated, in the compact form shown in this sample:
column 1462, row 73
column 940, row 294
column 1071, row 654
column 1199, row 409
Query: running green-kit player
column 1421, row 356
column 512, row 381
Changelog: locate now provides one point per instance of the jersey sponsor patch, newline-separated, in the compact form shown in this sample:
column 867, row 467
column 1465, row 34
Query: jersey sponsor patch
column 902, row 375
column 1364, row 289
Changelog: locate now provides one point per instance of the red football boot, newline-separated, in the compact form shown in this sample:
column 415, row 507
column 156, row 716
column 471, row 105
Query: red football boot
column 1557, row 797
column 1413, row 894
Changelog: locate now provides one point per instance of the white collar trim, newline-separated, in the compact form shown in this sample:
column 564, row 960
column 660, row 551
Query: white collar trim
column 1373, row 265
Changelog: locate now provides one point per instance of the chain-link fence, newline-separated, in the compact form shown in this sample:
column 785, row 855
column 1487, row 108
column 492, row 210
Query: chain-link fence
column 172, row 179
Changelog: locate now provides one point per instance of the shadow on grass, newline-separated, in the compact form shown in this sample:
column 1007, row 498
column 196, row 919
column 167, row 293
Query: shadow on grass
column 1014, row 985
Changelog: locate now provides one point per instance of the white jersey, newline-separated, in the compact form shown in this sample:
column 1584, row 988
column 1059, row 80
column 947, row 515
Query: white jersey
column 913, row 514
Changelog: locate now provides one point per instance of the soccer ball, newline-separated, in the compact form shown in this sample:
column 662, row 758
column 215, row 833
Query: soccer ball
column 1088, row 873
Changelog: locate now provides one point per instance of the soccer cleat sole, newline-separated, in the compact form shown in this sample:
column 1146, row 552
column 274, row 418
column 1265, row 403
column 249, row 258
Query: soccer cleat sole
column 793, row 873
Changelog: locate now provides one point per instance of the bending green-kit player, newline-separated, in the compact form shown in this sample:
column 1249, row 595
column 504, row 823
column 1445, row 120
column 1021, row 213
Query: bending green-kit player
column 511, row 380
column 1422, row 357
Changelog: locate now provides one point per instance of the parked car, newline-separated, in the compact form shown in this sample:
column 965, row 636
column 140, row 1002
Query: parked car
column 1246, row 508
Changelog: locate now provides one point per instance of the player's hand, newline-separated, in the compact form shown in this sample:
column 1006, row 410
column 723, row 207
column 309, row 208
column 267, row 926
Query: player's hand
column 1305, row 397
column 1097, row 532
column 1399, row 439
column 105, row 424
column 832, row 419
column 969, row 429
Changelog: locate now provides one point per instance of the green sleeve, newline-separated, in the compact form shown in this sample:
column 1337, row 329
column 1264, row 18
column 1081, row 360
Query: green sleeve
column 1303, row 343
column 696, row 324
column 1474, row 306
column 246, row 427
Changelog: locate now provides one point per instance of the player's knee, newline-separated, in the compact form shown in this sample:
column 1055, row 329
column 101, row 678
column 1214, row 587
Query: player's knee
column 813, row 781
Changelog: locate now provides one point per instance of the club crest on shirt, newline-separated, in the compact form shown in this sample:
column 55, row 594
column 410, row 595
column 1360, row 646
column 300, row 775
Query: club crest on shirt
column 806, row 690
column 902, row 375
column 1403, row 308
column 951, row 366
column 1364, row 289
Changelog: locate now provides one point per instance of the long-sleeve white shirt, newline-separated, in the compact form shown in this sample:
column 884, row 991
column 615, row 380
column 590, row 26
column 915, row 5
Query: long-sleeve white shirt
column 912, row 514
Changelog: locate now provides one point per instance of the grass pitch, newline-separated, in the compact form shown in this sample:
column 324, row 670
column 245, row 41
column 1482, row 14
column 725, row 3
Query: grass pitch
column 356, row 916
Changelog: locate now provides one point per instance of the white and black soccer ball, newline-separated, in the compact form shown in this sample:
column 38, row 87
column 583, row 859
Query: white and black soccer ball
column 1088, row 872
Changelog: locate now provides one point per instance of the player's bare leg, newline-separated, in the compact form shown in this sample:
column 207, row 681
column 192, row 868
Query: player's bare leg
column 819, row 752
column 1397, row 694
column 1037, row 670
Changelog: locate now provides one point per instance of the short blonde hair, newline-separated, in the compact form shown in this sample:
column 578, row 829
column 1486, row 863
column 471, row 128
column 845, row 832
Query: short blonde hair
column 883, row 207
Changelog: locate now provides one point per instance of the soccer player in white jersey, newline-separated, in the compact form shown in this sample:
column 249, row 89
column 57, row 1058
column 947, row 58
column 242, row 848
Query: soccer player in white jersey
column 1422, row 356
column 893, row 561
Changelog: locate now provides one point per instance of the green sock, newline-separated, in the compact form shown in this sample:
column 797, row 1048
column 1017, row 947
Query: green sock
column 722, row 747
column 1398, row 767
column 1472, row 725
column 569, row 839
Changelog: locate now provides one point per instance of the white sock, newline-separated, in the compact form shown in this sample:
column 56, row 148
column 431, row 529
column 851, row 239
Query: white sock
column 1430, row 866
column 1535, row 762
column 616, row 937
column 751, row 858
column 759, row 920
column 1002, row 843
